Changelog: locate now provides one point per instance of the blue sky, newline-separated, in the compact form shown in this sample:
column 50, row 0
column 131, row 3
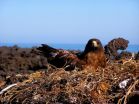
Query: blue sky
column 68, row 21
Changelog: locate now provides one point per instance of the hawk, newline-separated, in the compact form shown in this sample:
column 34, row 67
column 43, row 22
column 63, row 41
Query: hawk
column 93, row 55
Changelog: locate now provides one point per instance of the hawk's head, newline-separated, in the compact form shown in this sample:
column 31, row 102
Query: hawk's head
column 93, row 45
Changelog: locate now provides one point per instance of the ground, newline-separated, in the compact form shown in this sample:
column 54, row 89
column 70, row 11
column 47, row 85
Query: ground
column 26, row 77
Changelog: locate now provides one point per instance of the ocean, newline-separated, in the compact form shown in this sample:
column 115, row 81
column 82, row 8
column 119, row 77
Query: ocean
column 131, row 48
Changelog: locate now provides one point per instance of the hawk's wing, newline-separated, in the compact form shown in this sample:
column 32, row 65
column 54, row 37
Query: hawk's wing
column 47, row 50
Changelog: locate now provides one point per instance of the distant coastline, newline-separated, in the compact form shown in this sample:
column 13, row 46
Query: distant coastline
column 131, row 48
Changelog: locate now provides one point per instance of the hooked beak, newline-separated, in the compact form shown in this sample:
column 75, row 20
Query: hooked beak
column 95, row 44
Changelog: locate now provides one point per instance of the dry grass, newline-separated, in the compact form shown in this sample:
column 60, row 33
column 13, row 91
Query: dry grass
column 55, row 85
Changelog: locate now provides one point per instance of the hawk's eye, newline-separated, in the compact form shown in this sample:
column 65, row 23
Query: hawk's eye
column 98, row 43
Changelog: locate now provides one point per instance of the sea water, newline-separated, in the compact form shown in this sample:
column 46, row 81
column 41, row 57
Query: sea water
column 131, row 48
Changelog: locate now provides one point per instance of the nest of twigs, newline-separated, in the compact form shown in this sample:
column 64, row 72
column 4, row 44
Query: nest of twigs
column 56, row 86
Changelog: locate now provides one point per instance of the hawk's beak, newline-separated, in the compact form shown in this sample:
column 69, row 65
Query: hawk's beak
column 95, row 44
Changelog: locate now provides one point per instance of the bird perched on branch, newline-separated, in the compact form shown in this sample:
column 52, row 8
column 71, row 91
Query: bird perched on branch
column 93, row 55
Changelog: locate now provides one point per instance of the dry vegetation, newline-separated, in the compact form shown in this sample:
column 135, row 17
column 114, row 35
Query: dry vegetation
column 26, row 77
